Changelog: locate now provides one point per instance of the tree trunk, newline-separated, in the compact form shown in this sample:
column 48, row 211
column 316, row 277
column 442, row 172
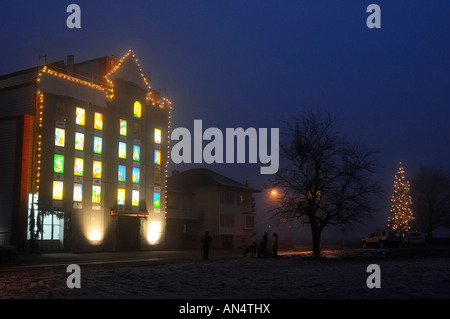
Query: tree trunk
column 315, row 240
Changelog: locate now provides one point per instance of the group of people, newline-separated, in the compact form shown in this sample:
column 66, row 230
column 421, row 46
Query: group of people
column 261, row 249
column 256, row 250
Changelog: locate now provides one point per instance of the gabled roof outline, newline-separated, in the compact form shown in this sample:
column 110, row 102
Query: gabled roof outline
column 109, row 87
column 130, row 54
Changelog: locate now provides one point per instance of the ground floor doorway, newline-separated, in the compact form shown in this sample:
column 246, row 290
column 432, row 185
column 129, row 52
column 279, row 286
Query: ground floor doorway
column 128, row 233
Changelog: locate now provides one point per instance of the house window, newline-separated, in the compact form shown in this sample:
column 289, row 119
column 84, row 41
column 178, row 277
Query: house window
column 137, row 130
column 226, row 198
column 136, row 153
column 78, row 167
column 123, row 127
column 243, row 199
column 59, row 137
column 122, row 150
column 80, row 116
column 77, row 192
column 97, row 169
column 249, row 221
column 136, row 175
column 137, row 109
column 58, row 165
column 98, row 144
column 135, row 198
column 96, row 194
column 51, row 227
column 121, row 173
column 157, row 177
column 226, row 220
column 121, row 196
column 60, row 111
column 157, row 157
column 98, row 121
column 157, row 136
column 79, row 141
column 156, row 200
column 58, row 188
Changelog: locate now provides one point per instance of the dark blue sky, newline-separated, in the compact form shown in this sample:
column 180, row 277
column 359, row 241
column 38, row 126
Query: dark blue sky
column 254, row 63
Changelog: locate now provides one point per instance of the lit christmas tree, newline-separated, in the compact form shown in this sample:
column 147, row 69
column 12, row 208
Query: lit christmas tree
column 401, row 203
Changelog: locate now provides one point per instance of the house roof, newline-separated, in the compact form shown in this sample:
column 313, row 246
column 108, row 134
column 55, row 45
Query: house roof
column 201, row 177
column 98, row 73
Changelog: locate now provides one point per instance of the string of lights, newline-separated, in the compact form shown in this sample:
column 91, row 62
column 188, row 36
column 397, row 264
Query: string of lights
column 401, row 204
column 108, row 89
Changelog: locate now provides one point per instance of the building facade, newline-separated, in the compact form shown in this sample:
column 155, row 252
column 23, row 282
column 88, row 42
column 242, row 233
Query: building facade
column 202, row 200
column 90, row 150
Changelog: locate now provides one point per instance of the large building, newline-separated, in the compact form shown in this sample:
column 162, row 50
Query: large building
column 202, row 200
column 84, row 156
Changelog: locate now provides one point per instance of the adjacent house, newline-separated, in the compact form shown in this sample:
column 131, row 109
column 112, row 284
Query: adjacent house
column 202, row 200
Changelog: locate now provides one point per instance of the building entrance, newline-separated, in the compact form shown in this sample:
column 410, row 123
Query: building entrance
column 128, row 233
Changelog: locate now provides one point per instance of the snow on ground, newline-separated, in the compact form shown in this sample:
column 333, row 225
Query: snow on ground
column 287, row 277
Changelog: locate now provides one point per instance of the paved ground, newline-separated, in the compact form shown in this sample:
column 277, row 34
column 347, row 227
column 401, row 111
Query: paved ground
column 111, row 259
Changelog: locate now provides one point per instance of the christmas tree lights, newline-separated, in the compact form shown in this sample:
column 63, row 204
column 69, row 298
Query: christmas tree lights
column 401, row 203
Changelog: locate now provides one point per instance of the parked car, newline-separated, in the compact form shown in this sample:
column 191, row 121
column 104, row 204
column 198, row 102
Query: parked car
column 381, row 238
column 415, row 238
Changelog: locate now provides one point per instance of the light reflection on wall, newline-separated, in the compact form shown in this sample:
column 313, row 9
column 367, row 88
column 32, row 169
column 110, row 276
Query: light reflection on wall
column 95, row 235
column 154, row 232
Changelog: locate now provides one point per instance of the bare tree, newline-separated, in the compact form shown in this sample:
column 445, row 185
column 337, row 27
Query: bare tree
column 323, row 179
column 430, row 190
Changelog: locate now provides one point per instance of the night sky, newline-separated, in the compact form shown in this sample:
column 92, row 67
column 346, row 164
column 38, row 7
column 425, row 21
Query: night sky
column 256, row 63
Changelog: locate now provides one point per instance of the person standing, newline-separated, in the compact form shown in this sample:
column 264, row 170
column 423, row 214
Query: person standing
column 206, row 241
column 275, row 245
column 264, row 242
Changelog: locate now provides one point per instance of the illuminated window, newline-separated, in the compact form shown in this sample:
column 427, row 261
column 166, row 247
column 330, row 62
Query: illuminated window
column 122, row 150
column 136, row 175
column 121, row 196
column 98, row 121
column 58, row 164
column 97, row 169
column 156, row 200
column 78, row 167
column 81, row 116
column 60, row 134
column 123, row 127
column 51, row 227
column 58, row 190
column 96, row 194
column 98, row 144
column 77, row 192
column 121, row 173
column 79, row 141
column 136, row 153
column 157, row 136
column 135, row 198
column 137, row 109
column 157, row 157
